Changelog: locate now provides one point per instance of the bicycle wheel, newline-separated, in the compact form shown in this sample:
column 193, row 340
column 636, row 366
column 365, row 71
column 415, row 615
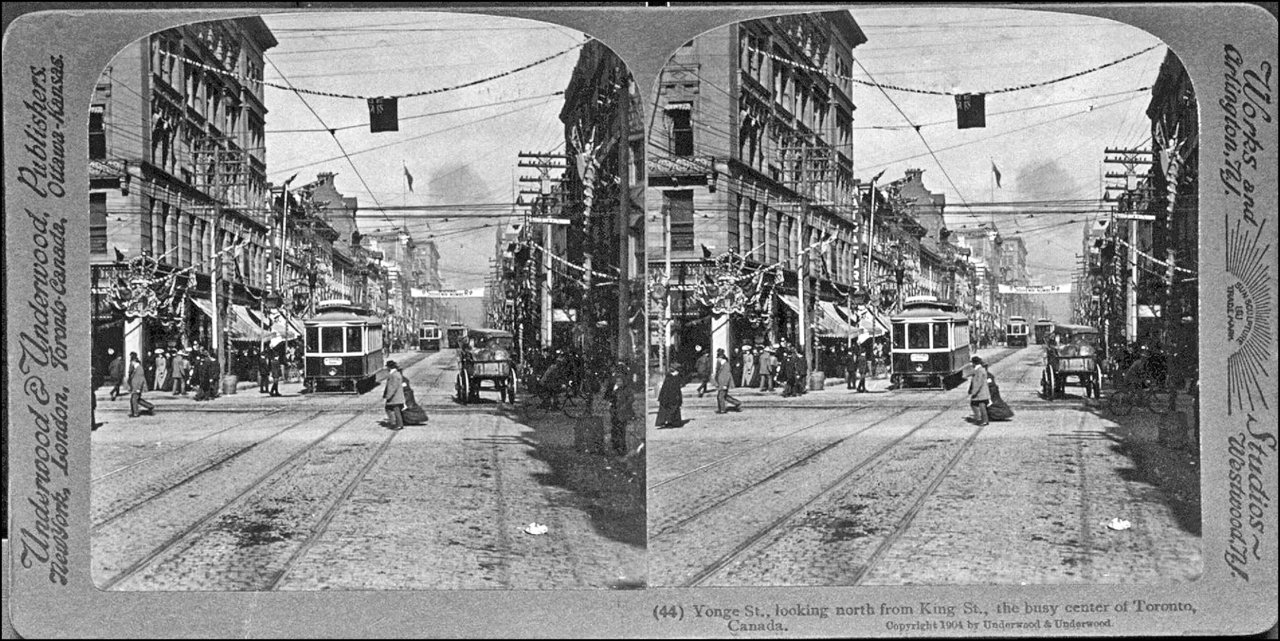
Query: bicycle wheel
column 1120, row 403
column 576, row 406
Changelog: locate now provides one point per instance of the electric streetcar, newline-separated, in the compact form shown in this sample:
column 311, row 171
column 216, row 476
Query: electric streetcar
column 456, row 335
column 1015, row 332
column 930, row 344
column 1043, row 328
column 343, row 349
column 429, row 336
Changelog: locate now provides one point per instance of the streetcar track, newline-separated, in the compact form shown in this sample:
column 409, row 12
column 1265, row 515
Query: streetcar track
column 875, row 458
column 504, row 538
column 177, row 449
column 1086, row 527
column 174, row 540
column 323, row 524
column 754, row 448
column 203, row 470
column 905, row 522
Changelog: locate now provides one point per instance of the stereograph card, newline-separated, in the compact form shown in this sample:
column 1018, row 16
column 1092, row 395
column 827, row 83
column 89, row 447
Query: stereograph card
column 422, row 320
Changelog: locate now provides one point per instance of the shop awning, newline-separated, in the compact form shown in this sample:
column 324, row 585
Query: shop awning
column 242, row 326
column 831, row 324
column 791, row 301
column 204, row 305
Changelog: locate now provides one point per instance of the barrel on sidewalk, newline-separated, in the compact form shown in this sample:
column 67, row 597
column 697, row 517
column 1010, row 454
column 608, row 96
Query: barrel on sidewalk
column 229, row 383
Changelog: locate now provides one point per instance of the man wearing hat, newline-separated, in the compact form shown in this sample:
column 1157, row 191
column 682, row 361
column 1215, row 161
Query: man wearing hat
column 179, row 374
column 115, row 372
column 393, row 395
column 979, row 394
column 724, row 380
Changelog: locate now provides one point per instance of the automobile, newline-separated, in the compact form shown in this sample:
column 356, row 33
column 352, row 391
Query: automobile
column 485, row 355
column 1073, row 356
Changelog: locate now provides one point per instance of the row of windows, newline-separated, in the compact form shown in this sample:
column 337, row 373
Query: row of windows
column 930, row 335
column 343, row 340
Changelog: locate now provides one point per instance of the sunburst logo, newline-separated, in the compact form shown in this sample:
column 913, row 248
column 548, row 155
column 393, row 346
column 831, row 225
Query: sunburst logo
column 1249, row 317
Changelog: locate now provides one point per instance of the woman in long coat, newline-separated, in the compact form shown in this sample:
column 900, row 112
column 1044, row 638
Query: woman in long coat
column 670, row 399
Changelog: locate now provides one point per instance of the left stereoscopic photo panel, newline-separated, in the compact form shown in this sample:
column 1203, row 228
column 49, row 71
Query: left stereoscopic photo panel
column 365, row 307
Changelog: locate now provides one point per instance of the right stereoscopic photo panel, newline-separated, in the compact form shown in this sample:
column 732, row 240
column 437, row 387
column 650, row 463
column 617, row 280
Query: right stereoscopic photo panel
column 923, row 303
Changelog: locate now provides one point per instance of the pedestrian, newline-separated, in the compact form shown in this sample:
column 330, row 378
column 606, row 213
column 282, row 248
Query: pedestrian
column 800, row 372
column 703, row 366
column 749, row 365
column 997, row 410
column 137, row 384
column 264, row 373
column 393, row 396
column 179, row 374
column 979, row 393
column 161, row 371
column 670, row 400
column 115, row 373
column 277, row 372
column 724, row 380
column 765, row 365
column 786, row 372
column 860, row 368
column 737, row 366
column 849, row 362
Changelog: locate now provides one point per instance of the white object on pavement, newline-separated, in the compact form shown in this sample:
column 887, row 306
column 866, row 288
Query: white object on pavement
column 1119, row 524
column 535, row 529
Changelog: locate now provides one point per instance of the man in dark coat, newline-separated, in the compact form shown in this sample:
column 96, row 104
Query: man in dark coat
column 264, row 372
column 137, row 385
column 703, row 367
column 276, row 373
column 787, row 371
column 115, row 373
column 724, row 381
column 670, row 400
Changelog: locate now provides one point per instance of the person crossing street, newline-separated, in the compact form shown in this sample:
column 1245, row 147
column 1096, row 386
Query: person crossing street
column 393, row 396
column 724, row 380
column 137, row 384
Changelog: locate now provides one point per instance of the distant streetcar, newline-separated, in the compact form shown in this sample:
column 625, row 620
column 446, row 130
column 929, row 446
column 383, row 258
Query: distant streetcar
column 343, row 349
column 1043, row 328
column 456, row 335
column 429, row 336
column 930, row 344
column 1015, row 332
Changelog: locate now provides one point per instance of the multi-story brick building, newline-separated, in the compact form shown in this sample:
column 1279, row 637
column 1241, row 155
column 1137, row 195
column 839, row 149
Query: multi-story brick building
column 179, row 217
column 750, row 152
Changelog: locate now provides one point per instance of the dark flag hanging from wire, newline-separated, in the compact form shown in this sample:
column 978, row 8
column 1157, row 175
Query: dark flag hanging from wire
column 408, row 178
column 995, row 172
column 383, row 115
column 971, row 110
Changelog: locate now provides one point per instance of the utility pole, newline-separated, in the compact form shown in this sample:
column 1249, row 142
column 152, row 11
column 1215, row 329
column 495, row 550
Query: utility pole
column 1130, row 160
column 812, row 164
column 544, row 163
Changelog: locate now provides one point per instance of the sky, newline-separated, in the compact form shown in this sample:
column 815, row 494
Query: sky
column 1049, row 147
column 466, row 158
column 1047, row 142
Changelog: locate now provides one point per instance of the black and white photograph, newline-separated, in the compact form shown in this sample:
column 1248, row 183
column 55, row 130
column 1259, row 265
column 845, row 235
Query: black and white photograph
column 660, row 320
column 356, row 290
column 937, row 269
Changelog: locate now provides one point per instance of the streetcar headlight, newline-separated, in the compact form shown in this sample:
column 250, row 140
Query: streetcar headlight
column 333, row 372
column 919, row 368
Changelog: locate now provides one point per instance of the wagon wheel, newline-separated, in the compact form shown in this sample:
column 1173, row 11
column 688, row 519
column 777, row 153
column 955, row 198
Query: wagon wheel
column 464, row 387
column 509, row 389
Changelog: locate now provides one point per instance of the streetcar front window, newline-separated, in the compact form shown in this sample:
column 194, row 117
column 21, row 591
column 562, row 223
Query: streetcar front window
column 353, row 340
column 900, row 336
column 313, row 340
column 918, row 336
column 331, row 340
column 940, row 335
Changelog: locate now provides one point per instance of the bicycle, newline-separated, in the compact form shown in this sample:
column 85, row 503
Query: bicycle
column 1146, row 395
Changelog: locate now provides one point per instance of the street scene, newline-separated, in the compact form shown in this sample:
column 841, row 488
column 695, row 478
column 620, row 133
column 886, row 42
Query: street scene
column 922, row 303
column 367, row 321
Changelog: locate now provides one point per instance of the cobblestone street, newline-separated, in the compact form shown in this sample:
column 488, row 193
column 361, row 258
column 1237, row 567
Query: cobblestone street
column 894, row 487
column 309, row 492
